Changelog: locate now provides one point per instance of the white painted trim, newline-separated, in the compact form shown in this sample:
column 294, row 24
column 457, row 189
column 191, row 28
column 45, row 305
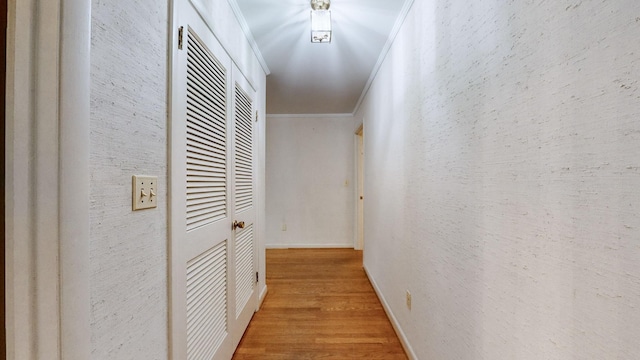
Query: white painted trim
column 358, row 231
column 309, row 246
column 396, row 325
column 385, row 51
column 355, row 192
column 75, row 72
column 177, row 329
column 174, row 325
column 20, row 263
column 306, row 116
column 261, row 128
column 36, row 237
column 263, row 295
column 249, row 35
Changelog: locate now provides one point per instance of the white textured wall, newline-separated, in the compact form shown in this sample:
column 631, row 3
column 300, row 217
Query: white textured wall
column 310, row 187
column 128, row 136
column 502, row 144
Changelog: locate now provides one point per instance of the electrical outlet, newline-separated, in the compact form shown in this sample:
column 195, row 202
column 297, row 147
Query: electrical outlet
column 145, row 192
column 408, row 300
column 284, row 227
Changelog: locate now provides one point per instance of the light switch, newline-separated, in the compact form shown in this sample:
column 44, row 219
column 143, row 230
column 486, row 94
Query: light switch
column 145, row 192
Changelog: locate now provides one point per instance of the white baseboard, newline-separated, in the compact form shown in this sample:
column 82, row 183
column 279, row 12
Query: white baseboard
column 263, row 295
column 309, row 246
column 396, row 326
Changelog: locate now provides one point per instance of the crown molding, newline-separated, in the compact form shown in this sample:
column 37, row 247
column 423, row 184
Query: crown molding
column 247, row 33
column 385, row 51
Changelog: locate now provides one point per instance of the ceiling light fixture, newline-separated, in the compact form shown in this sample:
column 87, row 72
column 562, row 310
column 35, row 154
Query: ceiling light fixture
column 320, row 21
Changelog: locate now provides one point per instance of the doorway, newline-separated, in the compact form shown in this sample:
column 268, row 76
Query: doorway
column 359, row 245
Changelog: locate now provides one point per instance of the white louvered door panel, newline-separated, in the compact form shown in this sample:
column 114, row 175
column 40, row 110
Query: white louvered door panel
column 201, row 200
column 245, row 299
column 243, row 150
column 206, row 136
column 207, row 201
column 207, row 303
column 245, row 269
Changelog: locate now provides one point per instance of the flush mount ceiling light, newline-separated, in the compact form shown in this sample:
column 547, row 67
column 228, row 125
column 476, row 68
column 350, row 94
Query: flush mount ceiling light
column 320, row 21
column 320, row 4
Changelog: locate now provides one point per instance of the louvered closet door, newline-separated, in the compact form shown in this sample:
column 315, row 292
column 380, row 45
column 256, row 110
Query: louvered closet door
column 201, row 204
column 243, row 171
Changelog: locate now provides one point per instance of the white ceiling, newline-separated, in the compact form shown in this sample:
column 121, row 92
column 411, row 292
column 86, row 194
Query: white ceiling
column 311, row 78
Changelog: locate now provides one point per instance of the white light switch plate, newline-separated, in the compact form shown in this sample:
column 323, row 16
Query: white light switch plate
column 145, row 192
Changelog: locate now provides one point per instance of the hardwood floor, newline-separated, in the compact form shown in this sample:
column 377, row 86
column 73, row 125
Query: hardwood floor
column 320, row 305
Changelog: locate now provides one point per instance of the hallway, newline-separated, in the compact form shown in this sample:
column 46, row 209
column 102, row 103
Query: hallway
column 501, row 169
column 320, row 305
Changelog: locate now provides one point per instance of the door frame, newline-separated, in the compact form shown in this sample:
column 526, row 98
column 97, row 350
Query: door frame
column 47, row 179
column 3, row 95
column 359, row 188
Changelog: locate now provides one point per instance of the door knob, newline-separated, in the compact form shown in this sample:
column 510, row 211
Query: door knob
column 237, row 224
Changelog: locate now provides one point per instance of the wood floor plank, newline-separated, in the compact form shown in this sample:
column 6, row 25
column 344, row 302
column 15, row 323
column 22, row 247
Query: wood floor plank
column 320, row 305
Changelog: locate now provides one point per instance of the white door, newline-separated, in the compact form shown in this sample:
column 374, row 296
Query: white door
column 212, row 261
column 244, row 213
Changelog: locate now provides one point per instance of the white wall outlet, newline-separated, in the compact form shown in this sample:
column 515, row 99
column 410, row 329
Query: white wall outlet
column 145, row 192
column 284, row 227
column 408, row 300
